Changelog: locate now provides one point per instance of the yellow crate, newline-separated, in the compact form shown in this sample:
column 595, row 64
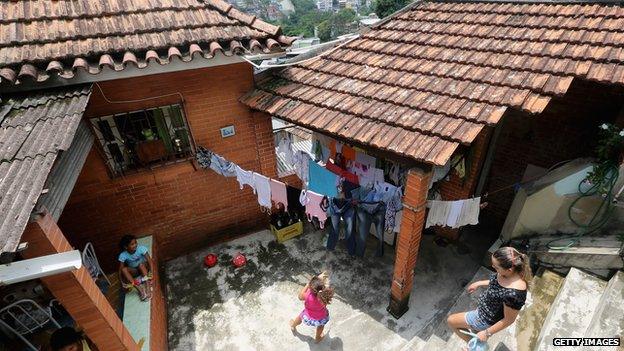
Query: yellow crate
column 287, row 232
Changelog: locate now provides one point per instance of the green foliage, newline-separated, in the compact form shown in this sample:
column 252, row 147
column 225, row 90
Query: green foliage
column 329, row 25
column 325, row 30
column 384, row 8
column 609, row 152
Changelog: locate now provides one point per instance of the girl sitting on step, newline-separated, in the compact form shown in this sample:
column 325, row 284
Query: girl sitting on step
column 500, row 303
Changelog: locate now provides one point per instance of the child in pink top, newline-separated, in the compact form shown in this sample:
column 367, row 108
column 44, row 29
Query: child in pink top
column 316, row 296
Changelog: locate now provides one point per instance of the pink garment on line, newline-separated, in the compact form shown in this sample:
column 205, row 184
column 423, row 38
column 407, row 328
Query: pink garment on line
column 314, row 309
column 312, row 203
column 278, row 192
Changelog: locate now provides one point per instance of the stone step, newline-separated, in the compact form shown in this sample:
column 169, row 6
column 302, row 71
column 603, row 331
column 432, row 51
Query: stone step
column 373, row 333
column 572, row 309
column 464, row 302
column 589, row 253
column 543, row 291
column 434, row 344
column 608, row 320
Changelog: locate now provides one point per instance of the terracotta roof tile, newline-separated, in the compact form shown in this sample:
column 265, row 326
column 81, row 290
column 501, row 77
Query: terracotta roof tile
column 42, row 39
column 435, row 74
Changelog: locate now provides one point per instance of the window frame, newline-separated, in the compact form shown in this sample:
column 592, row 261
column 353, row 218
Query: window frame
column 112, row 166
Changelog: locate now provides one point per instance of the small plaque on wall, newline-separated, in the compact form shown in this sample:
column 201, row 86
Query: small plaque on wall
column 227, row 131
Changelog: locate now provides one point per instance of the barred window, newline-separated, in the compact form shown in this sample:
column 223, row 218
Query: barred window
column 142, row 139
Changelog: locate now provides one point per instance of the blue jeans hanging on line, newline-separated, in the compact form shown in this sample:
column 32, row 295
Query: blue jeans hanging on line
column 368, row 214
column 336, row 212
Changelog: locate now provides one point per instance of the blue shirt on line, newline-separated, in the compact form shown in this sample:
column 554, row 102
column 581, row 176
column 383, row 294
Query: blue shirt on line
column 135, row 259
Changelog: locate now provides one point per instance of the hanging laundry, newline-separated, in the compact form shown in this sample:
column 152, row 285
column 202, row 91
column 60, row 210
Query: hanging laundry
column 322, row 180
column 348, row 153
column 393, row 205
column 460, row 165
column 203, row 157
column 293, row 195
column 368, row 175
column 312, row 202
column 301, row 163
column 393, row 174
column 245, row 177
column 317, row 150
column 364, row 159
column 263, row 188
column 284, row 149
column 470, row 212
column 351, row 177
column 222, row 166
column 453, row 214
column 439, row 173
column 278, row 193
column 325, row 153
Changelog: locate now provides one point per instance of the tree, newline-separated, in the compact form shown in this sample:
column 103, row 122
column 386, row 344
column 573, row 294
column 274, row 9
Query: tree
column 384, row 8
column 325, row 30
column 343, row 21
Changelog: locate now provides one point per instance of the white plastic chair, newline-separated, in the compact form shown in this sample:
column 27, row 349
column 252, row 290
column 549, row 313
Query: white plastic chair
column 89, row 259
column 25, row 317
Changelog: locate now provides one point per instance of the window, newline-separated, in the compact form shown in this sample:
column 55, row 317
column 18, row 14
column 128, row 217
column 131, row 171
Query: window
column 139, row 139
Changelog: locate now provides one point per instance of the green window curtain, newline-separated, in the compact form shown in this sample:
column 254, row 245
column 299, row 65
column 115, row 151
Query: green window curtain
column 163, row 131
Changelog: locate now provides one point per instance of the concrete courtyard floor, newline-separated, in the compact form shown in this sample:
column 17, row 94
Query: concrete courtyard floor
column 223, row 308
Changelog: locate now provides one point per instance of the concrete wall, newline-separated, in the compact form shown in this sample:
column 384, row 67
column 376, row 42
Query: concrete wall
column 541, row 207
column 183, row 207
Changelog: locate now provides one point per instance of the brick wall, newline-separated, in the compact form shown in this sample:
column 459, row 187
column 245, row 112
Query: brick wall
column 158, row 313
column 183, row 208
column 566, row 130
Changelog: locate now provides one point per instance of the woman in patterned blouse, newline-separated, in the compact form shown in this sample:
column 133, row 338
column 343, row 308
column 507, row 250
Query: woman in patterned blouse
column 502, row 300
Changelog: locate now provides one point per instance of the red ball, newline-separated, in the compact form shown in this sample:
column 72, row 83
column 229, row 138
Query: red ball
column 239, row 260
column 210, row 260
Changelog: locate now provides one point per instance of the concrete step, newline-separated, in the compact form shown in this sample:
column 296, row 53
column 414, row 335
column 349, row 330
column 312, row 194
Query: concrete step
column 543, row 291
column 464, row 302
column 434, row 344
column 589, row 253
column 373, row 334
column 608, row 320
column 572, row 310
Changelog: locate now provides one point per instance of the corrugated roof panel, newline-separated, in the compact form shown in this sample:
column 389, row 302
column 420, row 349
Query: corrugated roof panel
column 37, row 127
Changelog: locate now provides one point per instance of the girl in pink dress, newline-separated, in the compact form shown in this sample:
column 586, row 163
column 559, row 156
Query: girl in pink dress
column 316, row 296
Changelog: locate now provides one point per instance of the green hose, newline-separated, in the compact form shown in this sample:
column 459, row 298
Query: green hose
column 606, row 183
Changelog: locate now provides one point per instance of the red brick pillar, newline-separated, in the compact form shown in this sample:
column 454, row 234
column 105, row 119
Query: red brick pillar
column 408, row 242
column 76, row 290
column 265, row 144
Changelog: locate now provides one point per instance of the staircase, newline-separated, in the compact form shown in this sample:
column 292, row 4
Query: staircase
column 577, row 305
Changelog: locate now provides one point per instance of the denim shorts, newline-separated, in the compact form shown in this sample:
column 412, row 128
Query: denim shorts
column 474, row 321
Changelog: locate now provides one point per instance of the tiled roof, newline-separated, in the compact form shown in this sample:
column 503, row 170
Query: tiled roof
column 34, row 127
column 43, row 38
column 431, row 77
